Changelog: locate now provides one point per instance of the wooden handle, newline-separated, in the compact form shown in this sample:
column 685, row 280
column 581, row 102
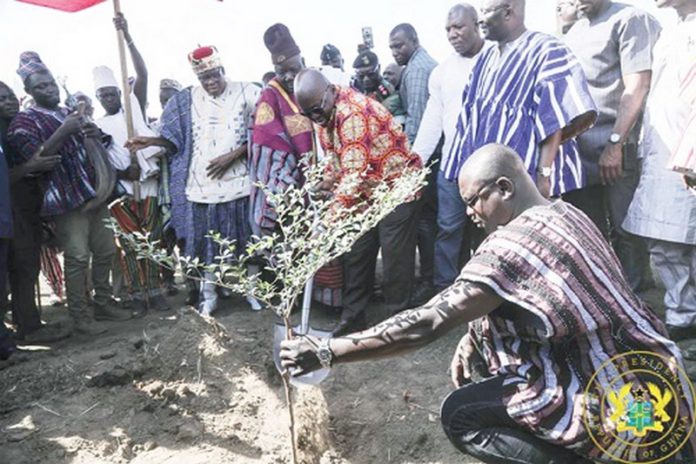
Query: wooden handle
column 126, row 95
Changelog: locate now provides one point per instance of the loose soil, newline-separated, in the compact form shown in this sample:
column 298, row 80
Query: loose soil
column 178, row 388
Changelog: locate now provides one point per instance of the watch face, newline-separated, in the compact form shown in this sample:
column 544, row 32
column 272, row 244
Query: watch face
column 614, row 138
column 324, row 356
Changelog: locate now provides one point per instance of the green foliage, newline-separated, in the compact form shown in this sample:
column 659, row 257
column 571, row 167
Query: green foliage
column 313, row 230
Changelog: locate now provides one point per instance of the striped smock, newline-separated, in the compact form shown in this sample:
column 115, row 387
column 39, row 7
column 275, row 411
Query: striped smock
column 568, row 309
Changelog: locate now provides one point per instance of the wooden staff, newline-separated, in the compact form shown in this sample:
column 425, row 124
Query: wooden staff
column 126, row 96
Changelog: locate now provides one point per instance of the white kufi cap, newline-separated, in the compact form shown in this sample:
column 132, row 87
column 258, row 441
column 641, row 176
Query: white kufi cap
column 104, row 77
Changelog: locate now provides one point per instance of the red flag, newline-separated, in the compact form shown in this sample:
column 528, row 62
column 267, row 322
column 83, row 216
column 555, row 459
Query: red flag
column 64, row 5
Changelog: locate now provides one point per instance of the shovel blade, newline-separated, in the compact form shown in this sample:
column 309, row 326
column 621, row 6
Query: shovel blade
column 313, row 378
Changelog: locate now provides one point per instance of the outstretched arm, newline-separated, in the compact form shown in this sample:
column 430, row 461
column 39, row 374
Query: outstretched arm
column 139, row 142
column 140, row 85
column 406, row 331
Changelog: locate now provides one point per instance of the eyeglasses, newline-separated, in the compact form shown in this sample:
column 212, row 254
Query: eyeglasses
column 490, row 11
column 471, row 202
column 317, row 110
column 209, row 75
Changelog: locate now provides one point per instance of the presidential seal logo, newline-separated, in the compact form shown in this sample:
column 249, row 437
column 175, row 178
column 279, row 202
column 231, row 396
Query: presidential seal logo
column 638, row 412
column 639, row 408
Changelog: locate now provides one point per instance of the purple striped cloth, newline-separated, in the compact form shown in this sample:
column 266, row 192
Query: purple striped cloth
column 568, row 310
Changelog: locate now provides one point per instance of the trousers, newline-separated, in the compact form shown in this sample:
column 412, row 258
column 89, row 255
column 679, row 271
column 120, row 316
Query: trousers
column 476, row 421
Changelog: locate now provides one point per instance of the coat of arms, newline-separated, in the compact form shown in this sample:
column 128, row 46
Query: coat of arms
column 638, row 411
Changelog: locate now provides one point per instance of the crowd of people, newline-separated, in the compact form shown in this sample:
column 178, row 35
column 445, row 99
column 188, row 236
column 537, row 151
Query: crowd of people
column 560, row 166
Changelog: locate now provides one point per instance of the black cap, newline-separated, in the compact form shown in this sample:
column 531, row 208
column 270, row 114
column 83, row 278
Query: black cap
column 366, row 58
column 280, row 43
column 329, row 52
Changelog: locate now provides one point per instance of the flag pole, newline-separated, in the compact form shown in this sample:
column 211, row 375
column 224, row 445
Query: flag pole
column 126, row 95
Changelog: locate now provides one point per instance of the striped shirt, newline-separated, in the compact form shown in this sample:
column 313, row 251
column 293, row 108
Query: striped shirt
column 71, row 183
column 520, row 96
column 414, row 90
column 568, row 310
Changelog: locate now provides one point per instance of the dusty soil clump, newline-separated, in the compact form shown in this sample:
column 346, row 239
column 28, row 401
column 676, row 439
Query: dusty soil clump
column 178, row 388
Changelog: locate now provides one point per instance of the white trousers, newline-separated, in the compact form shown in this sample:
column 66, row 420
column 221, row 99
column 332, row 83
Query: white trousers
column 675, row 264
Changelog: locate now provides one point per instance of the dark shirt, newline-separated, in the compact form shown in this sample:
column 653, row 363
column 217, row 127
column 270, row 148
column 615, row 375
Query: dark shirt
column 5, row 203
column 71, row 183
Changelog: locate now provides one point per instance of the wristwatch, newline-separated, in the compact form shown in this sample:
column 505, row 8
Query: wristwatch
column 544, row 172
column 615, row 138
column 325, row 354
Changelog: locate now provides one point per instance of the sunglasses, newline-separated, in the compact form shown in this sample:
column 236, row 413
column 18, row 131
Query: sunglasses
column 471, row 202
column 317, row 110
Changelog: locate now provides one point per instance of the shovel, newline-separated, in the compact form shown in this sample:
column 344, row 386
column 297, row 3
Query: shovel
column 313, row 378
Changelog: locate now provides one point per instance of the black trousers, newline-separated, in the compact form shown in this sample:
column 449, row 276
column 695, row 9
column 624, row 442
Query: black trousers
column 607, row 207
column 427, row 222
column 7, row 345
column 477, row 423
column 396, row 235
column 24, row 261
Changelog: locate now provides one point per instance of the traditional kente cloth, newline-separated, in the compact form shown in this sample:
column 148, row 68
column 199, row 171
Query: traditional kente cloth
column 519, row 97
column 230, row 219
column 143, row 217
column 281, row 138
column 179, row 127
column 52, row 269
column 142, row 274
column 567, row 310
column 70, row 184
column 363, row 138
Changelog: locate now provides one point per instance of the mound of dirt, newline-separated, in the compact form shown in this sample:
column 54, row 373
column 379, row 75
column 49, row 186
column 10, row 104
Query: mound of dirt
column 187, row 389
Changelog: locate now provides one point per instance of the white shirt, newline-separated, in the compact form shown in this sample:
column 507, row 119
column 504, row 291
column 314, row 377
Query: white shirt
column 446, row 86
column 335, row 75
column 148, row 158
column 220, row 125
column 662, row 207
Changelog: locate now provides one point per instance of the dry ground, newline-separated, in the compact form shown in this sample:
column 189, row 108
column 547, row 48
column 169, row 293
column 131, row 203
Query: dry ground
column 177, row 388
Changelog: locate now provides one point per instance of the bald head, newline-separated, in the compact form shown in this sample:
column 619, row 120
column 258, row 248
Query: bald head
column 463, row 10
column 315, row 95
column 502, row 20
column 496, row 187
column 518, row 8
column 310, row 84
column 491, row 162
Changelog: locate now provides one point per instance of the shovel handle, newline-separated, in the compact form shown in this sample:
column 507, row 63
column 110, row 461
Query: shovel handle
column 306, row 304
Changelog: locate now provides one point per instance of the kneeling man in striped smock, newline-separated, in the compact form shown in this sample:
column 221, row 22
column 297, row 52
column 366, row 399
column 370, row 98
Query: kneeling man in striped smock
column 558, row 348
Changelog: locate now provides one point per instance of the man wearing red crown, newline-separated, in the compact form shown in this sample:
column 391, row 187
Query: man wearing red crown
column 205, row 129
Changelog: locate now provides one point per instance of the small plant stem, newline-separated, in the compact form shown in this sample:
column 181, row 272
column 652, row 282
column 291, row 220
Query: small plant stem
column 288, row 393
